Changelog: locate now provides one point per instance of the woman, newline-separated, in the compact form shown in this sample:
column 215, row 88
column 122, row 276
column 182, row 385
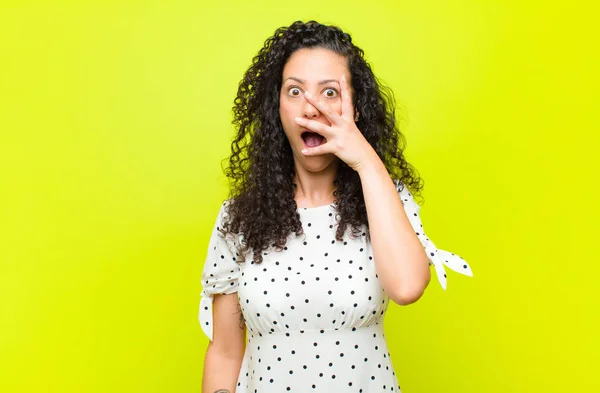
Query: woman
column 320, row 229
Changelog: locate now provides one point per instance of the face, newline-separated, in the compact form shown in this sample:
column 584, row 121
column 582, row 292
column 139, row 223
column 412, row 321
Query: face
column 318, row 71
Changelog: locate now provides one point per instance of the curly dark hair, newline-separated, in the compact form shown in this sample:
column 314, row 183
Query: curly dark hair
column 261, row 167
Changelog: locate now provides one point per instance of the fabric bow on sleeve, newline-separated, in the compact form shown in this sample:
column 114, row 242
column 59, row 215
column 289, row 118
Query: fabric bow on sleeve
column 438, row 258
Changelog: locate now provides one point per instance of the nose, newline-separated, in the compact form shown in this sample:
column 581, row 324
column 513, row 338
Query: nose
column 309, row 110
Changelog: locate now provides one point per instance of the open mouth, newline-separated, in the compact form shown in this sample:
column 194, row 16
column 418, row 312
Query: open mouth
column 312, row 139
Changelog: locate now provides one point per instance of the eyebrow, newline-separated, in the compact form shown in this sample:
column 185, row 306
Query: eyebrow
column 320, row 82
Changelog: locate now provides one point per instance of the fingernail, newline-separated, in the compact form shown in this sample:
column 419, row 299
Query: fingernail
column 298, row 120
column 304, row 151
column 308, row 94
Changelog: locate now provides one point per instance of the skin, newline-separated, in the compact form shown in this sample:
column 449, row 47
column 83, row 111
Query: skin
column 309, row 103
column 314, row 89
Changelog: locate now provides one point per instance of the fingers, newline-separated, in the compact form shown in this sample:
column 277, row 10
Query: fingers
column 347, row 107
column 330, row 115
column 315, row 151
column 320, row 129
column 315, row 126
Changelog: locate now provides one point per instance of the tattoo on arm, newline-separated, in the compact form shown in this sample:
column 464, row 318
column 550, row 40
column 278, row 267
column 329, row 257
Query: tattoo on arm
column 242, row 321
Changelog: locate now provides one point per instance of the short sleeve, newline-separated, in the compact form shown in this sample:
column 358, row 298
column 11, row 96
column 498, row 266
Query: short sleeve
column 438, row 258
column 220, row 273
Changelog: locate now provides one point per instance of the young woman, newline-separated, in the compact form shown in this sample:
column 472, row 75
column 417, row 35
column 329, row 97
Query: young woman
column 320, row 229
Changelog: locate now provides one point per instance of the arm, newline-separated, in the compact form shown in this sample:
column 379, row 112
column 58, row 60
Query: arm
column 226, row 351
column 402, row 251
column 400, row 260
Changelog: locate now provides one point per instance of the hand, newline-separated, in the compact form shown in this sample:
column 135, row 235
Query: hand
column 344, row 139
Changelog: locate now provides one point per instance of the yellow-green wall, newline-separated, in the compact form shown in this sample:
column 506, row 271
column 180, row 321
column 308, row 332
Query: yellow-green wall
column 114, row 117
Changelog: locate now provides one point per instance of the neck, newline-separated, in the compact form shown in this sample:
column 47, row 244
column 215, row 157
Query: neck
column 314, row 188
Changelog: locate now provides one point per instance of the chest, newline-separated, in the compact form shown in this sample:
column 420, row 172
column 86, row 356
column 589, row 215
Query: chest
column 316, row 282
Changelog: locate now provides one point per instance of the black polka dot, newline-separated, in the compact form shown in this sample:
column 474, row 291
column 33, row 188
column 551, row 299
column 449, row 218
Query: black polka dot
column 355, row 304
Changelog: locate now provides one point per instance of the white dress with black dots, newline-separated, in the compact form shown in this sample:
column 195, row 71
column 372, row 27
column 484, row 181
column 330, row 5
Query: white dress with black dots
column 314, row 312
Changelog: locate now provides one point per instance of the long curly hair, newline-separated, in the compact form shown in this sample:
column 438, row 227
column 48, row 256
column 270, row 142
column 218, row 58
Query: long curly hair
column 261, row 206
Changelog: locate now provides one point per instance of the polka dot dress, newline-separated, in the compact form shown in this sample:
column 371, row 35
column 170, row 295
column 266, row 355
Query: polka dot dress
column 314, row 311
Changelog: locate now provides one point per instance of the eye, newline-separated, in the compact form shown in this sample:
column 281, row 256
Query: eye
column 294, row 91
column 331, row 92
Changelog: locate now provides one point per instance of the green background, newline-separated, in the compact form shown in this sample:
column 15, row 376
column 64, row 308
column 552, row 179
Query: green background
column 114, row 119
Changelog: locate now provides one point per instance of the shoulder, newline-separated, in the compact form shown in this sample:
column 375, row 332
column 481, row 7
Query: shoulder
column 405, row 193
